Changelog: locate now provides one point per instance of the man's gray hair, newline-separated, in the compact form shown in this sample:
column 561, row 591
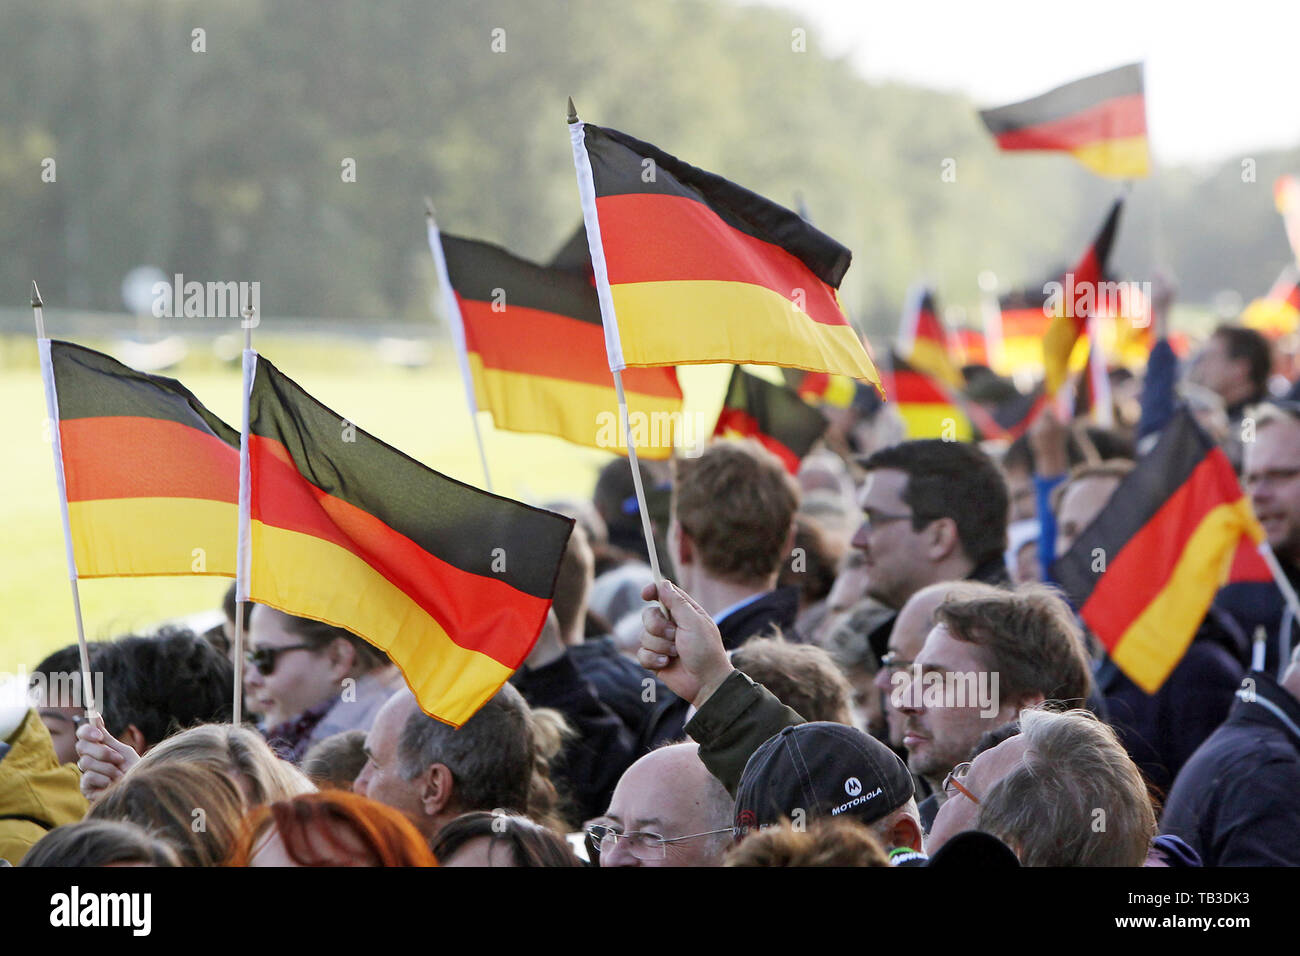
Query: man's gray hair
column 1076, row 799
column 491, row 756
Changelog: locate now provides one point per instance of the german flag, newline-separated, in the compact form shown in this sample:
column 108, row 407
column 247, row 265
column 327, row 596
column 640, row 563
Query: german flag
column 924, row 342
column 701, row 270
column 971, row 346
column 1082, row 292
column 536, row 352
column 1277, row 313
column 928, row 409
column 151, row 477
column 452, row 582
column 1100, row 120
column 1024, row 324
column 774, row 415
column 822, row 388
column 1144, row 572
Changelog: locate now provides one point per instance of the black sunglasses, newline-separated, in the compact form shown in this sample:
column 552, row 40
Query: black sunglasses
column 265, row 658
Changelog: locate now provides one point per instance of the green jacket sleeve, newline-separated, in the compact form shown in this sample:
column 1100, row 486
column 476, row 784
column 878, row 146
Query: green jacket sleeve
column 733, row 723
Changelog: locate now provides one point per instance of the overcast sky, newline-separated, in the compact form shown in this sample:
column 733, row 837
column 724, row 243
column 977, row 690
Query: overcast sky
column 1219, row 82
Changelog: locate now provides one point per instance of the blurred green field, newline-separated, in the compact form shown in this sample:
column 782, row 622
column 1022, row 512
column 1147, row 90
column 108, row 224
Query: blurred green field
column 421, row 411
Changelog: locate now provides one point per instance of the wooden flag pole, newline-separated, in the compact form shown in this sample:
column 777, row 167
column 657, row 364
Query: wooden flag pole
column 608, row 318
column 56, row 443
column 244, row 550
column 456, row 323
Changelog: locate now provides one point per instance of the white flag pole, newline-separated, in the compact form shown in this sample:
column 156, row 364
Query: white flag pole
column 456, row 322
column 613, row 345
column 56, row 443
column 244, row 551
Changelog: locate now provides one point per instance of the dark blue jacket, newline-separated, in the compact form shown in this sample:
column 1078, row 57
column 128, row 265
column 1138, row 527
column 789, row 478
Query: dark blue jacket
column 1237, row 801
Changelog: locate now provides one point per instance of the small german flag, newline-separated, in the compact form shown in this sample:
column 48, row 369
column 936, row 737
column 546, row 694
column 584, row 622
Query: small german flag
column 927, row 407
column 774, row 415
column 1277, row 313
column 1144, row 572
column 701, row 270
column 151, row 477
column 452, row 582
column 1100, row 120
column 536, row 352
column 1081, row 296
column 1024, row 324
column 971, row 346
column 924, row 342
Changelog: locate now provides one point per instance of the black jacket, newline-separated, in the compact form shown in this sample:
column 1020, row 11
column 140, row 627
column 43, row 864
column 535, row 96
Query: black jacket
column 756, row 619
column 653, row 713
column 1237, row 800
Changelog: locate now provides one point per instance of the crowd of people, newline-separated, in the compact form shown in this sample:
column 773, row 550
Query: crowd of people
column 864, row 664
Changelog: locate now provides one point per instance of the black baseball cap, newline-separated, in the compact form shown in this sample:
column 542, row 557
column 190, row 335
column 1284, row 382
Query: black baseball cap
column 825, row 770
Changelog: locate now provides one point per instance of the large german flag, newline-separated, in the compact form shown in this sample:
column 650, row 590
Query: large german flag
column 774, row 415
column 1101, row 120
column 1081, row 294
column 151, row 476
column 924, row 341
column 536, row 352
column 927, row 407
column 1144, row 572
column 452, row 582
column 701, row 270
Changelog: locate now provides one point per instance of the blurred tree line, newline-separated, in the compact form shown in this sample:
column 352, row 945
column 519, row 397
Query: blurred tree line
column 227, row 163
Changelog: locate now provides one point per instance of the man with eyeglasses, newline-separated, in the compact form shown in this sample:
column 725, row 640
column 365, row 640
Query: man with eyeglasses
column 933, row 511
column 667, row 810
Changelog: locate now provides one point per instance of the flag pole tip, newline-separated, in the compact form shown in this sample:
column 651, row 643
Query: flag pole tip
column 36, row 296
column 573, row 111
column 428, row 206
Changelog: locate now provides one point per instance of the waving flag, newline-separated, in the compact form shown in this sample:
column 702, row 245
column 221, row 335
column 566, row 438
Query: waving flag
column 1081, row 291
column 774, row 415
column 927, row 407
column 1144, row 572
column 536, row 351
column 692, row 268
column 1277, row 313
column 1100, row 120
column 924, row 342
column 151, row 477
column 452, row 582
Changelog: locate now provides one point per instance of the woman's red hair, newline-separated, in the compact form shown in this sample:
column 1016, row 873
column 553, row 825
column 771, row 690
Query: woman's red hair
column 385, row 837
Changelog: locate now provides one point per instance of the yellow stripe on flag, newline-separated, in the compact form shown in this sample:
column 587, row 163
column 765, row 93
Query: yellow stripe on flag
column 304, row 575
column 577, row 411
column 137, row 537
column 925, row 420
column 1155, row 642
column 703, row 321
column 1123, row 158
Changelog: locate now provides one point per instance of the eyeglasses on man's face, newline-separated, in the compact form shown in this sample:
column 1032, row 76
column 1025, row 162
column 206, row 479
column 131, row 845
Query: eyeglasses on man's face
column 954, row 782
column 644, row 845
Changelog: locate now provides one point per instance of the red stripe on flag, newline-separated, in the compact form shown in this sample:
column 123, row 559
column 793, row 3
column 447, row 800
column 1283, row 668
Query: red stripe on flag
column 478, row 613
column 1116, row 118
column 739, row 422
column 125, row 456
column 660, row 238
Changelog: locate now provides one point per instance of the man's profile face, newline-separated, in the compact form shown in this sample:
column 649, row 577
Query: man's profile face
column 938, row 738
column 1214, row 370
column 896, row 560
column 1079, row 506
column 381, row 777
column 1271, row 477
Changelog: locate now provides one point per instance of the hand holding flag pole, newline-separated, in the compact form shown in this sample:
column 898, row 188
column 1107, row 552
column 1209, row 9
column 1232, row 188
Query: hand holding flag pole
column 52, row 411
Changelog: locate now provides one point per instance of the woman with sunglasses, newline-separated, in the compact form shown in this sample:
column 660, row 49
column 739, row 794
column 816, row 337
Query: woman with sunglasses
column 310, row 680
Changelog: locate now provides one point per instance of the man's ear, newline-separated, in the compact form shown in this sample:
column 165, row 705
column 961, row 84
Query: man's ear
column 905, row 832
column 133, row 738
column 683, row 548
column 943, row 538
column 436, row 789
column 342, row 656
column 1011, row 709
